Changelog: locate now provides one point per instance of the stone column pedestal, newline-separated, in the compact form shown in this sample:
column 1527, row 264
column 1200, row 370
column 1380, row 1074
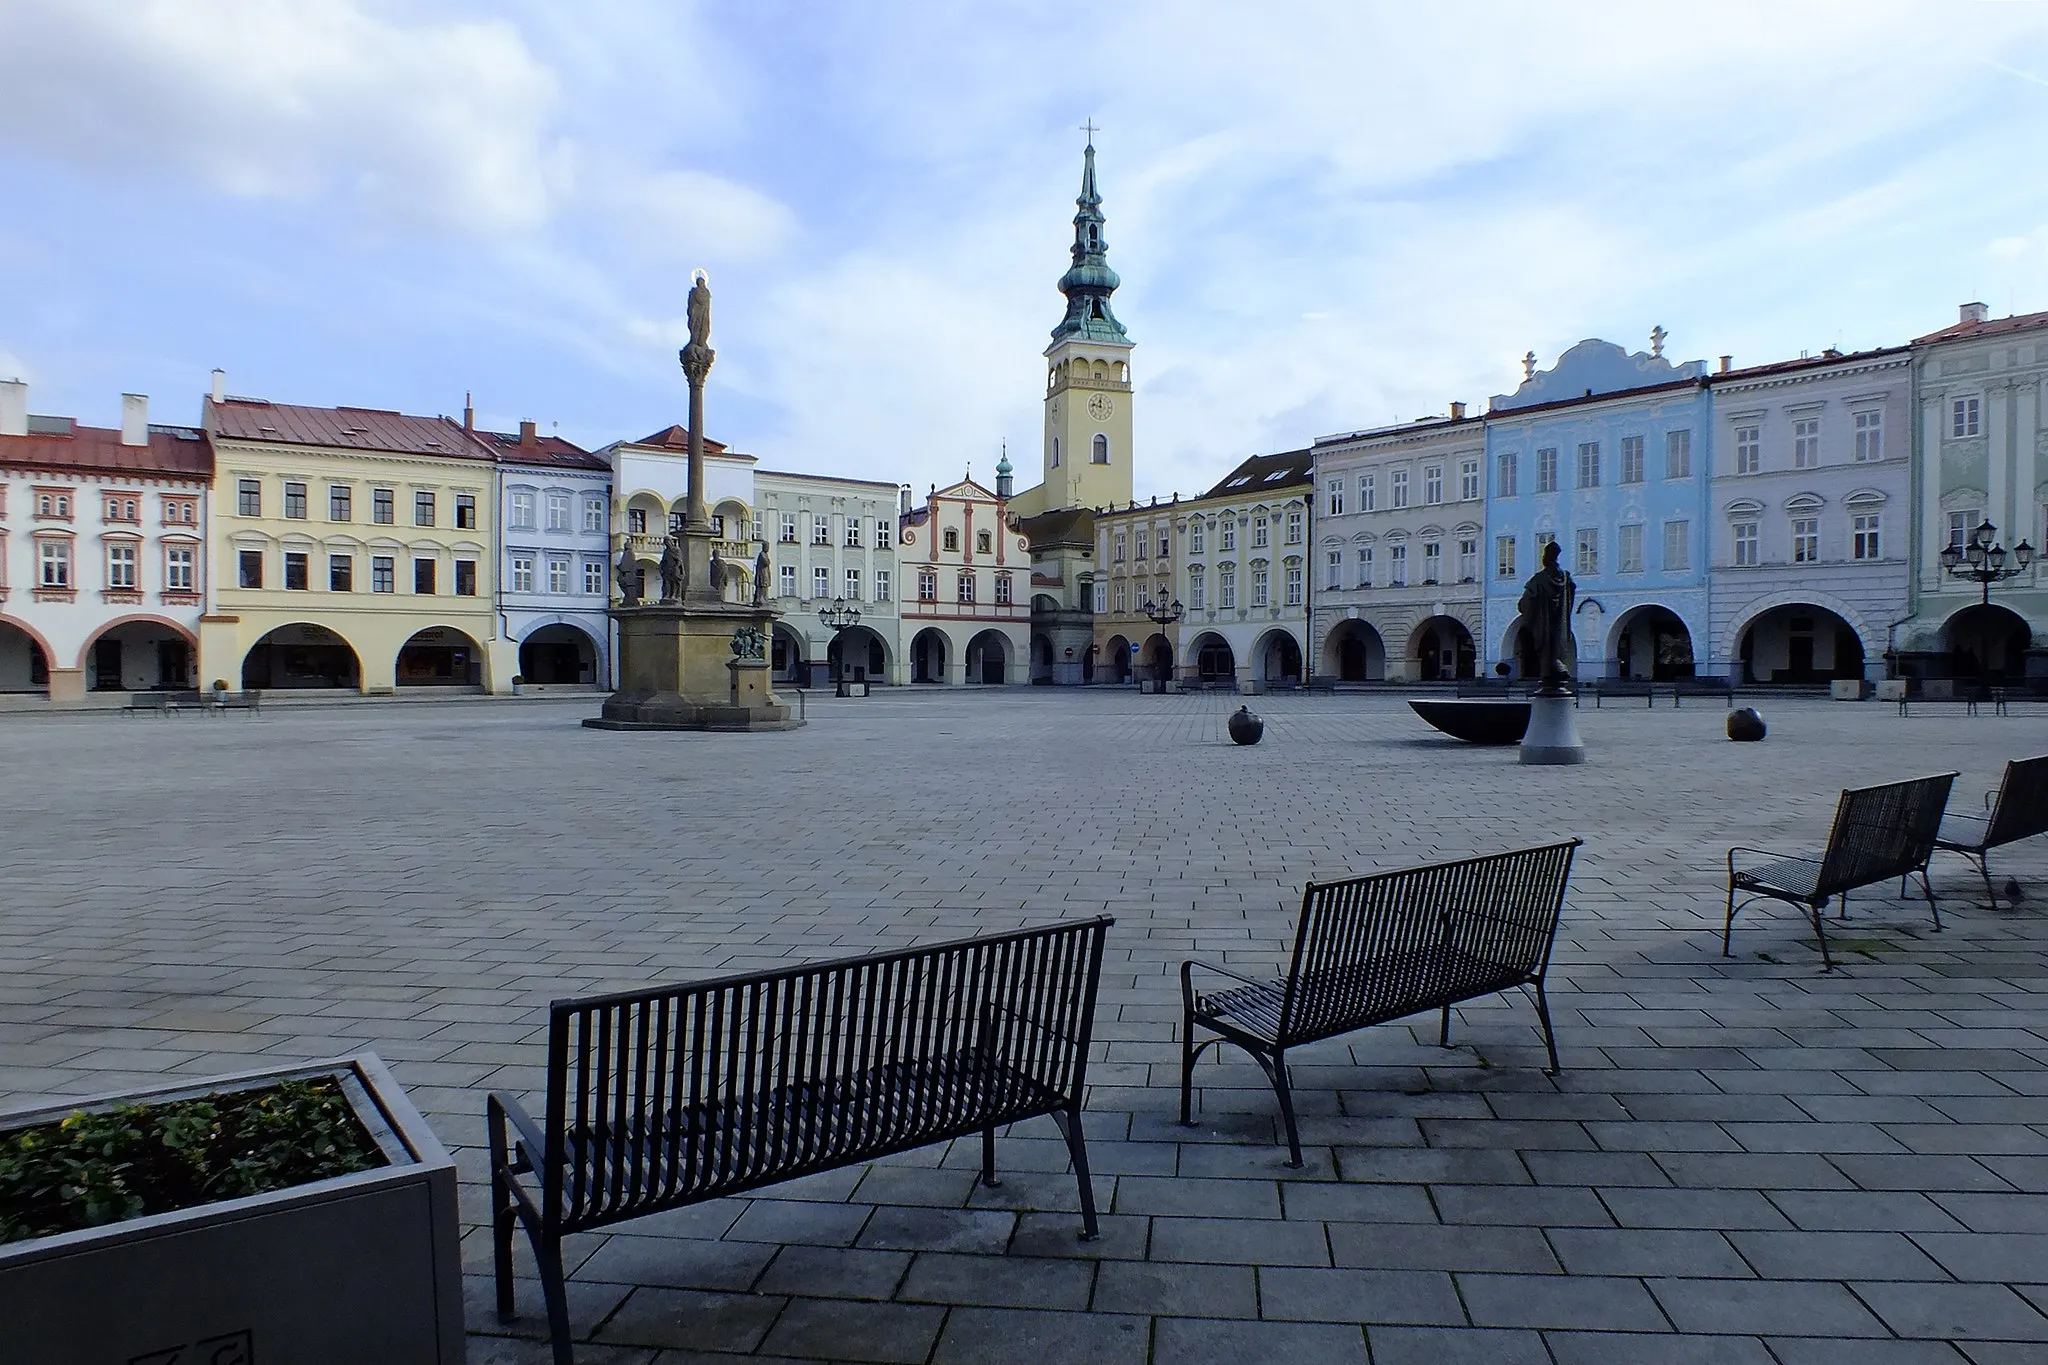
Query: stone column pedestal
column 1553, row 734
column 677, row 671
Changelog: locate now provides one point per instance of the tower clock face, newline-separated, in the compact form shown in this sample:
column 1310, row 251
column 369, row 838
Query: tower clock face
column 1101, row 406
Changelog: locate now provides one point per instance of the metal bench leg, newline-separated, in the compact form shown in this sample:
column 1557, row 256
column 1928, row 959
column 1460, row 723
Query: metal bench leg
column 1549, row 1034
column 1276, row 1071
column 1728, row 923
column 1934, row 906
column 1069, row 1122
column 552, row 1289
column 988, row 1157
column 504, row 1210
column 1820, row 931
column 1188, row 1053
column 1443, row 1033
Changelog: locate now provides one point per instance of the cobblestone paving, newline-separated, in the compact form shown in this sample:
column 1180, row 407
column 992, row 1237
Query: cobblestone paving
column 1744, row 1160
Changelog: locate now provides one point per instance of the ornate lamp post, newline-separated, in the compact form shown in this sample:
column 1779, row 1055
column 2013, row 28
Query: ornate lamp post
column 839, row 616
column 1163, row 614
column 1984, row 561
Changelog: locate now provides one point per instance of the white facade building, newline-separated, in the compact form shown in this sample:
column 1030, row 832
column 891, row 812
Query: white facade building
column 967, row 612
column 1244, row 548
column 102, row 551
column 832, row 543
column 650, row 492
column 555, row 556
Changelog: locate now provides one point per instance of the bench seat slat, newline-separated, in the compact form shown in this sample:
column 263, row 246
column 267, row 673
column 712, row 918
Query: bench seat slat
column 1375, row 992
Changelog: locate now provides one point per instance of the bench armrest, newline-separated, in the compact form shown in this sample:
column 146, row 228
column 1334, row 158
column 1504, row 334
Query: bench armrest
column 502, row 1105
column 1187, row 988
column 1762, row 852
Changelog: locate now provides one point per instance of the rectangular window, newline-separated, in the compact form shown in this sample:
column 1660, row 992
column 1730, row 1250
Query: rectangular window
column 1504, row 474
column 1432, row 561
column 1629, row 548
column 383, row 574
column 1964, row 414
column 1335, row 578
column 1165, row 544
column 558, row 576
column 1143, row 538
column 1228, row 542
column 121, row 565
column 1334, row 491
column 785, row 581
column 1746, row 548
column 1468, row 481
column 423, row 577
column 594, row 518
column 341, row 573
column 1367, row 499
column 1589, row 464
column 853, row 585
column 465, row 512
column 882, row 585
column 340, row 502
column 1262, row 586
column 1631, row 459
column 1432, row 484
column 1543, row 538
column 295, row 501
column 1116, row 598
column 1226, row 587
column 1806, row 540
column 1961, row 525
column 522, row 573
column 558, row 511
column 179, row 564
column 884, row 534
column 1589, row 552
column 821, row 581
column 965, row 588
column 593, row 578
column 1294, row 585
column 1397, row 566
column 1262, row 533
column 1117, row 546
column 1198, row 592
column 1806, row 443
column 53, row 564
column 1677, row 546
column 249, row 498
column 786, row 531
column 249, row 566
column 1400, row 488
column 1101, row 598
column 1003, row 590
column 1197, row 537
column 1294, row 522
column 294, row 572
column 1869, row 436
column 636, row 518
column 121, row 509
column 1864, row 536
column 821, row 529
column 1503, row 556
column 1546, row 470
column 384, row 507
column 1678, row 454
column 423, row 509
column 853, row 533
column 1365, row 568
column 1749, row 449
column 1468, row 559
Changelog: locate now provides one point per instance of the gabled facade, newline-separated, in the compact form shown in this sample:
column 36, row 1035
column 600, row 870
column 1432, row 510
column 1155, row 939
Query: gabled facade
column 1399, row 551
column 1609, row 454
column 1243, row 554
column 832, row 544
column 965, row 606
column 1810, row 516
column 102, row 551
column 555, row 555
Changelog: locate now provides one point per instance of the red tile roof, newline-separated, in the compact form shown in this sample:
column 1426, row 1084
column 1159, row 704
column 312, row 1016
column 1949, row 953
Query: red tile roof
column 172, row 452
column 545, row 450
column 254, row 419
column 676, row 437
column 1988, row 327
column 1804, row 363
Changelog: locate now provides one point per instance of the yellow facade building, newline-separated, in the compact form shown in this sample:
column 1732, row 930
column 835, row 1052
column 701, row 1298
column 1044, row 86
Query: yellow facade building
column 351, row 549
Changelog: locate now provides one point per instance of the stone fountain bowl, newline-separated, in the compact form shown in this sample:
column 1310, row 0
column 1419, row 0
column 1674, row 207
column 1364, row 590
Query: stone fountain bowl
column 1477, row 722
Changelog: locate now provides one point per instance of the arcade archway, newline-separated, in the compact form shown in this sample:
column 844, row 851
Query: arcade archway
column 1214, row 660
column 140, row 654
column 1115, row 664
column 988, row 658
column 1354, row 652
column 1986, row 643
column 440, row 656
column 1277, row 657
column 928, row 656
column 301, row 655
column 558, row 653
column 1442, row 649
column 857, row 654
column 24, row 666
column 1799, row 643
column 1651, row 642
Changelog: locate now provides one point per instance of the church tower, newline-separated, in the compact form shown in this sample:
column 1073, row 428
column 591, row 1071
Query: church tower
column 1088, row 374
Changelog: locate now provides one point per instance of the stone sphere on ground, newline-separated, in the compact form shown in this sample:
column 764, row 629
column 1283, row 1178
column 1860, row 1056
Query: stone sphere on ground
column 1745, row 724
column 1246, row 728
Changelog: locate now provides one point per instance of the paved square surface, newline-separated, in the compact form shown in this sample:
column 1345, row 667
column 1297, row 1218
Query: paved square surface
column 1744, row 1160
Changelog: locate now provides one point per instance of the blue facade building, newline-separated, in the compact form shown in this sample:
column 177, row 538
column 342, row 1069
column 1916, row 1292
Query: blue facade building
column 1608, row 453
column 554, row 581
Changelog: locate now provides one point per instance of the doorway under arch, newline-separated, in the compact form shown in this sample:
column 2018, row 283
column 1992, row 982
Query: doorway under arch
column 1986, row 643
column 440, row 656
column 1041, row 658
column 988, row 658
column 1277, row 657
column 1215, row 661
column 1799, row 643
column 1115, row 664
column 1651, row 642
column 301, row 655
column 1442, row 649
column 24, row 664
column 558, row 653
column 1354, row 652
column 1157, row 659
column 857, row 653
column 786, row 657
column 139, row 654
column 928, row 656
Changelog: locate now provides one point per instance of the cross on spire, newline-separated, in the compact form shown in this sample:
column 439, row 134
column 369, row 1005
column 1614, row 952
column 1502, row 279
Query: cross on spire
column 1090, row 129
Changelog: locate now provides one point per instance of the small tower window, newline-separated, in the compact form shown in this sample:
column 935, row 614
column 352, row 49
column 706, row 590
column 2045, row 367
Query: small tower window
column 1055, row 452
column 1101, row 448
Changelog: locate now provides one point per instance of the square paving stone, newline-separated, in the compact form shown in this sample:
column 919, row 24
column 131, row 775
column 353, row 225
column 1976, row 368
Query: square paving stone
column 1647, row 1251
column 1198, row 1198
column 803, row 1222
column 1559, row 1301
column 1957, row 1312
column 1820, row 1351
column 1835, row 1256
column 997, row 1336
column 1524, row 1206
column 1119, row 1238
column 999, row 1281
column 1435, row 1247
column 1195, row 1341
column 1863, row 1211
column 1377, row 1296
column 1206, row 1290
column 914, row 1229
column 1456, row 1346
column 1997, row 1257
column 845, row 1330
column 1332, row 1201
column 1669, row 1348
column 1240, row 1241
column 687, row 1317
column 1771, row 1308
column 1690, row 1208
column 836, row 1272
column 677, row 1262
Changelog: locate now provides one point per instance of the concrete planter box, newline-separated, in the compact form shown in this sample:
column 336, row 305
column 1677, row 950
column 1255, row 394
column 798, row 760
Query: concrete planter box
column 1849, row 689
column 1892, row 689
column 357, row 1268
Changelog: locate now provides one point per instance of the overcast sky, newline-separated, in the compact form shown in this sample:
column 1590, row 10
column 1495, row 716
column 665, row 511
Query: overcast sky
column 1326, row 216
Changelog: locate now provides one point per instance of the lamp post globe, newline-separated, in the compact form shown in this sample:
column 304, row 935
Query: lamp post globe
column 1984, row 561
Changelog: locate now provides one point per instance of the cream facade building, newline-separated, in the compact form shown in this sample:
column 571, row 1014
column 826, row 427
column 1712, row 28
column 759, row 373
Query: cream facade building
column 1244, row 551
column 352, row 549
column 1137, row 567
column 1400, row 521
column 965, row 608
column 832, row 543
column 650, row 493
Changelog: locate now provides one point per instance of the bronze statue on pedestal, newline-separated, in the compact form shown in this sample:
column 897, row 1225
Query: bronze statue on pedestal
column 1546, row 607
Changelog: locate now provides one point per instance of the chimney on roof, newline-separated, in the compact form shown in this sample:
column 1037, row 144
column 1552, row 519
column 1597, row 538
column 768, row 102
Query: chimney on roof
column 468, row 413
column 528, row 435
column 1727, row 363
column 13, row 407
column 903, row 501
column 134, row 419
column 1974, row 312
column 220, row 385
column 1457, row 412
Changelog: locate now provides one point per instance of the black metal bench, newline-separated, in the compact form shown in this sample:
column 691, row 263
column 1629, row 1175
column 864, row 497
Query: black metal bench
column 1319, row 682
column 1603, row 688
column 1879, row 833
column 2017, row 810
column 149, row 704
column 1368, row 950
column 250, row 701
column 1969, row 696
column 662, row 1098
column 1681, row 688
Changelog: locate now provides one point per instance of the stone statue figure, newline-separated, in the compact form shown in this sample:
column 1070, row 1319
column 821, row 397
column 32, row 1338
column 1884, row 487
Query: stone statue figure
column 717, row 574
column 674, row 573
column 696, row 356
column 1546, row 607
column 627, row 572
column 761, row 578
column 748, row 643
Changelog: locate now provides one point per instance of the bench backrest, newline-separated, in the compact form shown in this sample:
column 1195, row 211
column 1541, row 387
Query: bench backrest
column 664, row 1097
column 1361, row 941
column 1883, row 832
column 2021, row 809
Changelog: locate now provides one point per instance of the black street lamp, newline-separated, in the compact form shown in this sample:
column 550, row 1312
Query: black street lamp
column 838, row 617
column 1163, row 614
column 1983, row 560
